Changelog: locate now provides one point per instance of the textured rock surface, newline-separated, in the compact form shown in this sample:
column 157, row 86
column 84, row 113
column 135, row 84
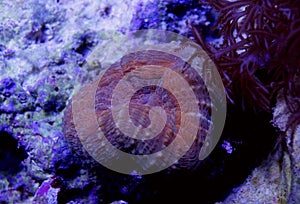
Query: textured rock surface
column 277, row 179
column 291, row 146
column 43, row 45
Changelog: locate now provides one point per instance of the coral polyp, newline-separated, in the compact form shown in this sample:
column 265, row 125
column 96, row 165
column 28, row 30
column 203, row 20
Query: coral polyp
column 149, row 107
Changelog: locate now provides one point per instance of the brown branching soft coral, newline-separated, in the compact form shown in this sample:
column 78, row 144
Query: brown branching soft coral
column 260, row 53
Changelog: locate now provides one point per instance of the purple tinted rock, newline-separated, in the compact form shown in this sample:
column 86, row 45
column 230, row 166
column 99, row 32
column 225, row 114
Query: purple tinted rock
column 7, row 84
column 147, row 16
column 22, row 97
column 50, row 96
column 48, row 191
column 9, row 108
column 8, row 53
column 13, row 98
column 64, row 162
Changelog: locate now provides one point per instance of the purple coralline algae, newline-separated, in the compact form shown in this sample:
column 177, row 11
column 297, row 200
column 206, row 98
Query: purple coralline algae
column 48, row 192
column 13, row 97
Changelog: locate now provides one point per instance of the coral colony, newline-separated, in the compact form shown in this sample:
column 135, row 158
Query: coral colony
column 50, row 50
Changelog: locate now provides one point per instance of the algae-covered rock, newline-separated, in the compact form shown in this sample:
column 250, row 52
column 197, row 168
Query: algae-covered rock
column 43, row 46
column 277, row 179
